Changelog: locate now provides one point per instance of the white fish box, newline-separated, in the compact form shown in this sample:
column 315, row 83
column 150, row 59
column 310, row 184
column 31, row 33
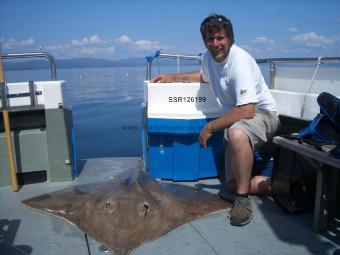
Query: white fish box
column 175, row 115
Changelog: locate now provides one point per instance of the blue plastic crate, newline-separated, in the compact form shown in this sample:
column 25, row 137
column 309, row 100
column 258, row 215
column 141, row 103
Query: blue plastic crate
column 174, row 151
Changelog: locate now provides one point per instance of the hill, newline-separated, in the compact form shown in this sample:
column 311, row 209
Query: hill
column 83, row 63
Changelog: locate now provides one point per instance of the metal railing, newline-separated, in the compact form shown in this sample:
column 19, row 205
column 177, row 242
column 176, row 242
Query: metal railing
column 274, row 61
column 35, row 55
column 177, row 57
column 271, row 61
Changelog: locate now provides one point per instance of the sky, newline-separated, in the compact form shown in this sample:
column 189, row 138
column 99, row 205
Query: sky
column 119, row 29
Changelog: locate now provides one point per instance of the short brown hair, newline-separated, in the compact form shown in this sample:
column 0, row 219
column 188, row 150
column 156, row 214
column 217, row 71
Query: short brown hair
column 216, row 22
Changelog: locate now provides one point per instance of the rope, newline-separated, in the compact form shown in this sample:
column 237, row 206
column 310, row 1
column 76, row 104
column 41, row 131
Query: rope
column 87, row 244
column 310, row 86
column 153, row 56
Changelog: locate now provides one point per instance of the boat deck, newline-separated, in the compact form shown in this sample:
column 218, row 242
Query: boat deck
column 25, row 231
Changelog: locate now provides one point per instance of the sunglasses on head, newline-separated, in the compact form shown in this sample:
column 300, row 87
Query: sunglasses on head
column 215, row 18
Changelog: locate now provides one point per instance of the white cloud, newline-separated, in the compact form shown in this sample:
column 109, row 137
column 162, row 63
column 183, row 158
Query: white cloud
column 95, row 39
column 76, row 43
column 89, row 46
column 297, row 45
column 311, row 39
column 263, row 40
column 123, row 39
column 147, row 45
column 57, row 46
column 9, row 44
column 293, row 29
column 92, row 40
column 94, row 46
column 111, row 49
column 12, row 43
column 28, row 42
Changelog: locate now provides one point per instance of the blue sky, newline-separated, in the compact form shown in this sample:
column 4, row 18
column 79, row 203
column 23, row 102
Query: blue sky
column 120, row 29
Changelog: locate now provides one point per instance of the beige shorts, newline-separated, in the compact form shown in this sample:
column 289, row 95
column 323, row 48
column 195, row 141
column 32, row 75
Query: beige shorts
column 259, row 129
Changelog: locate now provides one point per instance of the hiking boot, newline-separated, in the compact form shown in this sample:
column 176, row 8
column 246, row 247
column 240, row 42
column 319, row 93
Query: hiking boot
column 241, row 211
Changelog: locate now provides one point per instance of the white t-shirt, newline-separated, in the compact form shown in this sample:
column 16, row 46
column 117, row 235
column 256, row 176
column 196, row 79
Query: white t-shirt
column 237, row 80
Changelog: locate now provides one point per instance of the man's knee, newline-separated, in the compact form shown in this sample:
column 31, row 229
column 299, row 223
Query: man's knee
column 235, row 133
column 237, row 136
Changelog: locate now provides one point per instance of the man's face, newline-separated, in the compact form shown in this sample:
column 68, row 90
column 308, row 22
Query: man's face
column 218, row 44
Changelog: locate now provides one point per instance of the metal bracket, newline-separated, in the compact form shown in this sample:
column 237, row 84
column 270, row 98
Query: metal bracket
column 4, row 102
column 32, row 94
column 33, row 97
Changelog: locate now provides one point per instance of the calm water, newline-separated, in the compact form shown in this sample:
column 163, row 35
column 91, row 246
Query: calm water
column 104, row 102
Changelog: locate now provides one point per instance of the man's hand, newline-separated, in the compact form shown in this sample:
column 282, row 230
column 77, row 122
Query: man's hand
column 205, row 136
column 163, row 78
column 194, row 76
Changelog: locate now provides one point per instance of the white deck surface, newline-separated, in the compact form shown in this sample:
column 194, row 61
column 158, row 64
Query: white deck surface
column 25, row 231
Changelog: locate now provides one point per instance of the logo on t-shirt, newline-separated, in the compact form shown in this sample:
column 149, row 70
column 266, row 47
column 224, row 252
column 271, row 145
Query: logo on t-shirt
column 242, row 91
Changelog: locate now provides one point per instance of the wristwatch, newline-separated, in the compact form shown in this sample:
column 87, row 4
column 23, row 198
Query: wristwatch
column 185, row 79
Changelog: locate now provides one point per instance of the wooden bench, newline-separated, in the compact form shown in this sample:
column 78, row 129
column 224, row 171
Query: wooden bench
column 327, row 168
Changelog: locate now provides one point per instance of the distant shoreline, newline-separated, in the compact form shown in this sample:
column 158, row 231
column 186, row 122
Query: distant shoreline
column 10, row 65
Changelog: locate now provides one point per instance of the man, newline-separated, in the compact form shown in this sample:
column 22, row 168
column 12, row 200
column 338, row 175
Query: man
column 250, row 117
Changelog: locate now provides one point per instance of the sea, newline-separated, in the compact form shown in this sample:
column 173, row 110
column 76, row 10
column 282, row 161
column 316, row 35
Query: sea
column 106, row 106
